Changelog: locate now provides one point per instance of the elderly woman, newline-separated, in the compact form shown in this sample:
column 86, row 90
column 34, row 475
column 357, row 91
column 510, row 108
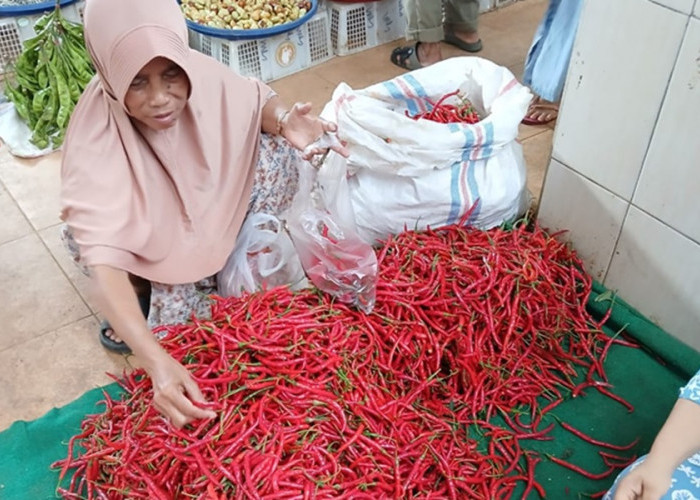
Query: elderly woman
column 166, row 153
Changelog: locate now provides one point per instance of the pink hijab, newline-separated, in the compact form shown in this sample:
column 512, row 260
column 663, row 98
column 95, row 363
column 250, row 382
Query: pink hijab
column 168, row 205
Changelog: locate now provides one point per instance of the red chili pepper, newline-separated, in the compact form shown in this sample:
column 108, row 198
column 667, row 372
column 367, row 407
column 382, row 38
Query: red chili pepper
column 579, row 470
column 315, row 398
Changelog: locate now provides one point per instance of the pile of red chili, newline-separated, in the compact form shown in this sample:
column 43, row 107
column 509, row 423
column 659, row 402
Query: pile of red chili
column 317, row 400
column 444, row 112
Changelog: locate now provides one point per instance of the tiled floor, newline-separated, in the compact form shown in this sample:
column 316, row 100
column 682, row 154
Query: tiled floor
column 49, row 352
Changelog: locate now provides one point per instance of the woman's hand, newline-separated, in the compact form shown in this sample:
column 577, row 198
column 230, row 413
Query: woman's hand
column 302, row 129
column 175, row 392
column 644, row 482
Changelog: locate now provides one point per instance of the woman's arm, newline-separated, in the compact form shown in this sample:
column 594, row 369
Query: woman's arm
column 678, row 439
column 172, row 383
column 297, row 125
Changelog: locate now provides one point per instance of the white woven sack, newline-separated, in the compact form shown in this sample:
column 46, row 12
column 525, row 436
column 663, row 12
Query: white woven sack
column 381, row 137
column 385, row 203
column 415, row 174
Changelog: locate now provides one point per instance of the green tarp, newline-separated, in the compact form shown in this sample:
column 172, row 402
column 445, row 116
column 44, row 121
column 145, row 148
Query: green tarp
column 649, row 378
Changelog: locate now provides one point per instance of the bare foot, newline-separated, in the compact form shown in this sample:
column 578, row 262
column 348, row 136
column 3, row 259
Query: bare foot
column 540, row 112
column 429, row 53
column 467, row 37
column 109, row 333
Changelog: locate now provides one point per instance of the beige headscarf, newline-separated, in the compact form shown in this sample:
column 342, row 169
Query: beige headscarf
column 168, row 205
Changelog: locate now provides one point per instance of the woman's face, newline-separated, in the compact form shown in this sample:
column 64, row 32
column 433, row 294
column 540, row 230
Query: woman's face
column 158, row 94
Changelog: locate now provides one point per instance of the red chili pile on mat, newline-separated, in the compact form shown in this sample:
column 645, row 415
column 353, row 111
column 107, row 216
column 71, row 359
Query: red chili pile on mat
column 317, row 400
column 442, row 112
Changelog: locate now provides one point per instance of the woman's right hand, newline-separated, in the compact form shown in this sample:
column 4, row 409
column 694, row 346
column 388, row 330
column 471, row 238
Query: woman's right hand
column 175, row 392
column 644, row 482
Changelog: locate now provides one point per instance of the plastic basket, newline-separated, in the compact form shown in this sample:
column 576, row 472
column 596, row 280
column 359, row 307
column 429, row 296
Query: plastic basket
column 20, row 10
column 353, row 27
column 16, row 29
column 253, row 34
column 273, row 57
column 391, row 20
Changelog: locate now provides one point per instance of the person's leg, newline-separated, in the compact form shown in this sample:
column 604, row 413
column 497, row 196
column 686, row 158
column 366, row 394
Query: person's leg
column 548, row 59
column 141, row 286
column 109, row 339
column 425, row 27
column 462, row 24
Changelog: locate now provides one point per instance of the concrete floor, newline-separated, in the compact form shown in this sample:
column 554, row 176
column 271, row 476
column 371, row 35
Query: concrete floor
column 49, row 350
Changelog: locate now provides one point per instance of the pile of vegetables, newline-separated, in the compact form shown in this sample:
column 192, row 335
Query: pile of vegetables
column 474, row 340
column 244, row 14
column 443, row 112
column 49, row 76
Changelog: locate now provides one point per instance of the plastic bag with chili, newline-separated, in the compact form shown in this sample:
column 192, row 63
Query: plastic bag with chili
column 321, row 223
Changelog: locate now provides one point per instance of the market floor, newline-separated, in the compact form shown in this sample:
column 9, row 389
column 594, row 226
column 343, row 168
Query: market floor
column 49, row 351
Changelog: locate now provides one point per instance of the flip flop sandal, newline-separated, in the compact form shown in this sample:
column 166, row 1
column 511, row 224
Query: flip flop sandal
column 453, row 39
column 553, row 110
column 406, row 57
column 120, row 346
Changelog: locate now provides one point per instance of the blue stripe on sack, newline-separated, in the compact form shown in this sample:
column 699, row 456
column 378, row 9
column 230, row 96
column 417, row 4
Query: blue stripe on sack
column 398, row 94
column 473, row 193
column 456, row 205
column 472, row 187
column 416, row 85
column 488, row 140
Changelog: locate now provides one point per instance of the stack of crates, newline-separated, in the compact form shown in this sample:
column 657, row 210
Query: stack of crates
column 360, row 26
column 272, row 57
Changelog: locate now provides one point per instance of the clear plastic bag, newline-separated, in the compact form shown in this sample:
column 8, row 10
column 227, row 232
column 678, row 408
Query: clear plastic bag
column 322, row 226
column 264, row 257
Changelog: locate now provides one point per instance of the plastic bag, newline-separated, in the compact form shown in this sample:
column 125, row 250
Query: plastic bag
column 322, row 226
column 264, row 257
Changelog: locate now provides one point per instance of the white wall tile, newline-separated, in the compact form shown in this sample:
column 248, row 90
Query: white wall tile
column 670, row 180
column 618, row 74
column 685, row 6
column 592, row 215
column 696, row 12
column 657, row 271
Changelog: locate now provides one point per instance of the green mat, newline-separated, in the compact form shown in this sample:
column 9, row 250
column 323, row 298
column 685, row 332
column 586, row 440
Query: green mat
column 649, row 378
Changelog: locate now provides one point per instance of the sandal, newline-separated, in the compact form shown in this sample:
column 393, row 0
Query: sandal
column 406, row 57
column 119, row 346
column 453, row 39
column 541, row 112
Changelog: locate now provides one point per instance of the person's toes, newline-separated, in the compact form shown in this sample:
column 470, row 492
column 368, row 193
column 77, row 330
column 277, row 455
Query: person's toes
column 109, row 333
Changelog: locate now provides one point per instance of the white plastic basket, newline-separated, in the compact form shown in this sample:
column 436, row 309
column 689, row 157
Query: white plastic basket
column 391, row 20
column 15, row 30
column 274, row 57
column 353, row 27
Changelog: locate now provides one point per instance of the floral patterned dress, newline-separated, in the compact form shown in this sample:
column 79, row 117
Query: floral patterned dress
column 276, row 183
column 685, row 483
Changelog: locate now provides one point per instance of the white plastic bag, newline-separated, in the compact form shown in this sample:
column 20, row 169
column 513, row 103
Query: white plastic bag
column 16, row 135
column 264, row 257
column 419, row 173
column 322, row 226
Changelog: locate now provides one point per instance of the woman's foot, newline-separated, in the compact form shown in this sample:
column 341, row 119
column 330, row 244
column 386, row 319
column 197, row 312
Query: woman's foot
column 109, row 339
column 541, row 112
column 417, row 56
